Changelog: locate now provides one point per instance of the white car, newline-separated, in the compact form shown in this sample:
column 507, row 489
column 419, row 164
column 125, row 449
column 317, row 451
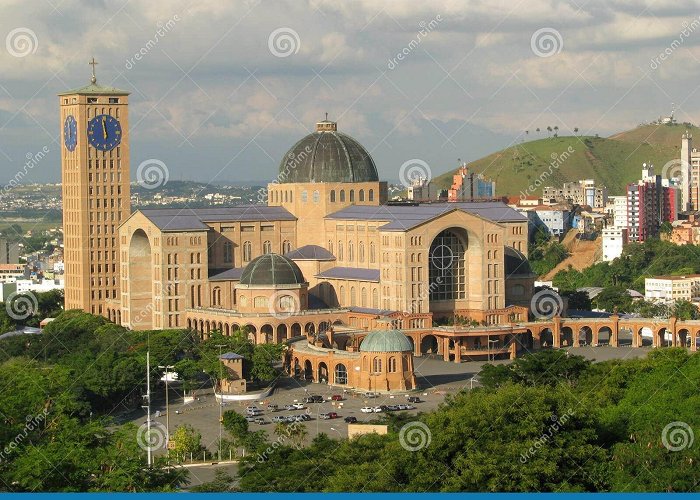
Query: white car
column 251, row 409
column 366, row 409
column 377, row 409
column 298, row 406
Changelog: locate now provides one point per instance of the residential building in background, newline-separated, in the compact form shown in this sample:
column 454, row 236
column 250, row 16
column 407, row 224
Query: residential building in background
column 614, row 239
column 555, row 219
column 422, row 189
column 9, row 252
column 689, row 178
column 669, row 289
column 583, row 192
column 470, row 186
column 685, row 232
column 651, row 201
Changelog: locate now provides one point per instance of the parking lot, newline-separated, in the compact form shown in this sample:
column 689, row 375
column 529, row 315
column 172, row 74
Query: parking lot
column 436, row 378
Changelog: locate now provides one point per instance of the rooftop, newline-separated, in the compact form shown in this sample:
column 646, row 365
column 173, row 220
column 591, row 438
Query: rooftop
column 193, row 219
column 350, row 273
column 403, row 217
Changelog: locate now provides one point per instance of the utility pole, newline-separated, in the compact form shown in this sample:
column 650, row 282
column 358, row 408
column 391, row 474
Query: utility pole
column 148, row 404
column 221, row 394
column 167, row 406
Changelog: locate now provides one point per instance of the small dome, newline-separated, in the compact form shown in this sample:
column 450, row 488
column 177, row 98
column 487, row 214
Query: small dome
column 516, row 263
column 386, row 341
column 272, row 269
column 327, row 156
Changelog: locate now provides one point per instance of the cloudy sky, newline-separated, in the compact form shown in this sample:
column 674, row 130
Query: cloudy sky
column 221, row 89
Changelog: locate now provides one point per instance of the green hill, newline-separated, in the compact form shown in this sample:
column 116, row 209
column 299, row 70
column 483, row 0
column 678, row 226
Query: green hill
column 613, row 161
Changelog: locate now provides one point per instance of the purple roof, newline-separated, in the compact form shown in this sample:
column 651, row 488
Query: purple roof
column 310, row 252
column 228, row 275
column 193, row 219
column 350, row 273
column 370, row 310
column 230, row 355
column 403, row 218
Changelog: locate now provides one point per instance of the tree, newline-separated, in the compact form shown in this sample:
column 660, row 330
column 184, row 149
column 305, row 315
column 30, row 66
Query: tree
column 185, row 441
column 265, row 356
column 222, row 481
column 666, row 228
column 578, row 300
column 685, row 310
column 236, row 425
column 613, row 298
column 575, row 130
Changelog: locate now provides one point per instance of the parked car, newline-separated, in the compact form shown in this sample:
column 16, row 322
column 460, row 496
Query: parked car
column 377, row 409
column 337, row 397
column 289, row 407
column 414, row 399
column 306, row 417
column 272, row 407
column 324, row 416
column 392, row 408
column 403, row 407
column 371, row 395
column 384, row 408
column 298, row 406
column 255, row 413
column 350, row 420
column 366, row 409
column 250, row 419
column 260, row 421
column 251, row 409
column 279, row 419
column 291, row 418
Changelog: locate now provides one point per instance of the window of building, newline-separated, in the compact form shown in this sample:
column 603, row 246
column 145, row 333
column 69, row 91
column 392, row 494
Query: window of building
column 228, row 252
column 247, row 251
column 376, row 365
column 267, row 247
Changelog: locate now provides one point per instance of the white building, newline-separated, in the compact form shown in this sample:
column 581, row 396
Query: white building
column 614, row 239
column 619, row 211
column 556, row 220
column 669, row 289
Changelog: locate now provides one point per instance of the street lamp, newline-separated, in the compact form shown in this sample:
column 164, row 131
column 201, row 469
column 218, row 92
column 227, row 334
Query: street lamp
column 221, row 394
column 167, row 406
column 494, row 340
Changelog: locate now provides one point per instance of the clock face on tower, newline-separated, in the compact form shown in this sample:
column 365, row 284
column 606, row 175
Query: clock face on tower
column 70, row 132
column 104, row 132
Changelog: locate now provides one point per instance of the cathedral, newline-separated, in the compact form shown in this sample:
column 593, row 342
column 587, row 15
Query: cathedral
column 326, row 260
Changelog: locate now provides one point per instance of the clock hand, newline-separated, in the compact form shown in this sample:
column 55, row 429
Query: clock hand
column 104, row 128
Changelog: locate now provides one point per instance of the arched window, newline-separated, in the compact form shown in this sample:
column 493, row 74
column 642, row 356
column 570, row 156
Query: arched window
column 247, row 251
column 342, row 196
column 375, row 299
column 372, row 253
column 341, row 374
column 228, row 252
column 267, row 247
column 392, row 364
column 352, row 195
column 340, row 250
column 286, row 246
column 342, row 295
column 446, row 267
column 351, row 251
column 353, row 297
column 216, row 296
column 361, row 252
column 304, row 196
column 362, row 195
column 260, row 301
column 371, row 195
column 317, row 196
column 332, row 195
column 363, row 297
column 376, row 365
column 330, row 246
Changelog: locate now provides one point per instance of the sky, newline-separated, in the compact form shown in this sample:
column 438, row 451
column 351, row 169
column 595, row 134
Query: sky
column 220, row 90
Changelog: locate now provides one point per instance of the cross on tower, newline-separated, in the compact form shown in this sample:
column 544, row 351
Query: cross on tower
column 93, row 63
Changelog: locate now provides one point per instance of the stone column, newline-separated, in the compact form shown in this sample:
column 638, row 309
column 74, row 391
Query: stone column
column 446, row 349
column 556, row 332
column 635, row 336
column 614, row 334
column 594, row 331
column 693, row 341
column 458, row 350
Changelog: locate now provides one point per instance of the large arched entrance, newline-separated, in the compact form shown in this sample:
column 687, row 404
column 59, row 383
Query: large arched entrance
column 604, row 335
column 429, row 345
column 140, row 282
column 446, row 266
column 308, row 370
column 546, row 338
column 567, row 337
column 323, row 372
column 341, row 374
column 683, row 338
column 267, row 334
column 585, row 336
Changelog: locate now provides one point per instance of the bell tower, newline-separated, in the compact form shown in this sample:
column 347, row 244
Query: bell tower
column 96, row 193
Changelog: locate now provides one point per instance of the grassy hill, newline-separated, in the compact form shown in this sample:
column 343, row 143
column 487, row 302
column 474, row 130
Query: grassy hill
column 613, row 161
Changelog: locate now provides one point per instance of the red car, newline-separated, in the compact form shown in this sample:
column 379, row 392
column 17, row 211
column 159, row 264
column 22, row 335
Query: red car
column 332, row 414
column 337, row 397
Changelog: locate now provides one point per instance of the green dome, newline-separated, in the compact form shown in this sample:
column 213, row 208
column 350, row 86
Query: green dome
column 386, row 341
column 327, row 156
column 272, row 269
